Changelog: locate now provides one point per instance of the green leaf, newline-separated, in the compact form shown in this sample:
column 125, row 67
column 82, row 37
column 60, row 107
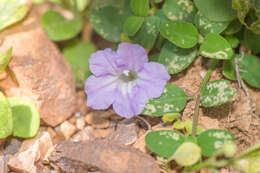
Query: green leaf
column 229, row 69
column 159, row 13
column 179, row 10
column 6, row 121
column 180, row 33
column 210, row 141
column 217, row 47
column 77, row 54
column 233, row 41
column 216, row 93
column 58, row 28
column 164, row 142
column 250, row 69
column 176, row 59
column 242, row 7
column 12, row 11
column 140, row 7
column 187, row 154
column 170, row 117
column 178, row 125
column 5, row 59
column 26, row 119
column 206, row 26
column 172, row 100
column 234, row 27
column 147, row 35
column 249, row 164
column 108, row 21
column 132, row 25
column 250, row 41
column 216, row 10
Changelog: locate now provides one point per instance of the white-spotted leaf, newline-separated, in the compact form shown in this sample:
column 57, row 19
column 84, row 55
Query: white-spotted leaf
column 164, row 142
column 173, row 100
column 210, row 141
column 132, row 25
column 176, row 59
column 216, row 93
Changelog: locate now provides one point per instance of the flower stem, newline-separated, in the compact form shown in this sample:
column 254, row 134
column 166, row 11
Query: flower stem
column 197, row 97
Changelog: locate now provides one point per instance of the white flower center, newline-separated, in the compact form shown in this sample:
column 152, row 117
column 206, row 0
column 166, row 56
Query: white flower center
column 128, row 76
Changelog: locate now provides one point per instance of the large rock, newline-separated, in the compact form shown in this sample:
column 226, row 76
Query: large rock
column 38, row 71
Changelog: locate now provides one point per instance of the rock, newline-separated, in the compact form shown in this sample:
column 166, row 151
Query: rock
column 101, row 155
column 80, row 123
column 66, row 129
column 83, row 135
column 3, row 164
column 31, row 151
column 97, row 119
column 126, row 133
column 102, row 133
column 12, row 146
column 38, row 71
column 140, row 143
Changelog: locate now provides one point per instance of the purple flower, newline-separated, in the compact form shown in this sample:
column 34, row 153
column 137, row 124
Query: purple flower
column 124, row 79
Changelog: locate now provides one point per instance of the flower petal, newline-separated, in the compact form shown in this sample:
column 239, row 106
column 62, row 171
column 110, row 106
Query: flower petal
column 100, row 91
column 103, row 62
column 132, row 56
column 130, row 103
column 152, row 78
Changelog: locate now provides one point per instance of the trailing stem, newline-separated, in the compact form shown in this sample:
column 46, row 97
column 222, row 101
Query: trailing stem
column 197, row 97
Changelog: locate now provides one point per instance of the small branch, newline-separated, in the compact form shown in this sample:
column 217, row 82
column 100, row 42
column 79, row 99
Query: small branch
column 196, row 115
column 148, row 125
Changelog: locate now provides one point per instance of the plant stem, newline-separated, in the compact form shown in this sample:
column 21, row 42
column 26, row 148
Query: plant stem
column 202, row 86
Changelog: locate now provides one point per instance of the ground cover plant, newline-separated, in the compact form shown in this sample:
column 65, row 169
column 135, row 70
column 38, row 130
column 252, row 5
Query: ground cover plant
column 151, row 43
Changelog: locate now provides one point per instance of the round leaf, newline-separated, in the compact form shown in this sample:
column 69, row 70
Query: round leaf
column 140, row 7
column 233, row 41
column 179, row 10
column 250, row 66
column 212, row 140
column 216, row 10
column 172, row 100
column 176, row 59
column 12, row 11
column 108, row 21
column 180, row 33
column 215, row 46
column 206, row 26
column 164, row 142
column 6, row 121
column 187, row 154
column 216, row 93
column 4, row 59
column 77, row 54
column 132, row 25
column 58, row 28
column 147, row 35
column 250, row 41
column 26, row 119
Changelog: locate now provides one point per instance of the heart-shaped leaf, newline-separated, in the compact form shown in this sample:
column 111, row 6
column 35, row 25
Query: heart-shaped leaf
column 58, row 28
column 180, row 33
column 216, row 10
column 217, row 47
column 26, row 119
column 210, row 141
column 172, row 100
column 77, row 54
column 4, row 59
column 147, row 34
column 6, row 120
column 187, row 154
column 176, row 59
column 179, row 10
column 251, row 39
column 12, row 11
column 132, row 25
column 164, row 142
column 206, row 26
column 108, row 21
column 216, row 93
column 140, row 7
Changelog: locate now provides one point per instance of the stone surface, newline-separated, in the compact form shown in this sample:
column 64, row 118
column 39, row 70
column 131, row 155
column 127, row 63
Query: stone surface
column 3, row 164
column 30, row 152
column 12, row 145
column 66, row 129
column 38, row 71
column 83, row 135
column 98, row 119
column 80, row 123
column 103, row 156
